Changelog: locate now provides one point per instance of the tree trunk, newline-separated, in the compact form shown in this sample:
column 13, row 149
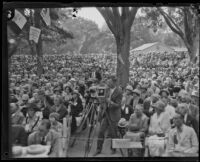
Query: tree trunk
column 123, row 47
column 39, row 45
column 193, row 49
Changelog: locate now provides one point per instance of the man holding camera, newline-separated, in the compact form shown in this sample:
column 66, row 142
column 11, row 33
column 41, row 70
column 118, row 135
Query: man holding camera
column 112, row 114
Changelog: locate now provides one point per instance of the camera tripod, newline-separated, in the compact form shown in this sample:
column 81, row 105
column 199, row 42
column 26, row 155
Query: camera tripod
column 93, row 110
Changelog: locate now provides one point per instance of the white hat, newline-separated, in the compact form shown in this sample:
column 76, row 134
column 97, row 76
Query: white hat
column 73, row 80
column 25, row 97
column 195, row 93
column 130, row 88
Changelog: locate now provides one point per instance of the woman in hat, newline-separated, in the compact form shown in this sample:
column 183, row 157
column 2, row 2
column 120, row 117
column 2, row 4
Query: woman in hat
column 32, row 120
column 55, row 124
column 67, row 94
column 59, row 107
column 76, row 109
column 159, row 127
column 136, row 97
column 127, row 102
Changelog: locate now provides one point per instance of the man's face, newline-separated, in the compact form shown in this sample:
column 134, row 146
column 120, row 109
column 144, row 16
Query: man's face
column 110, row 83
column 13, row 108
column 31, row 113
column 43, row 130
column 138, row 110
column 178, row 121
column 56, row 101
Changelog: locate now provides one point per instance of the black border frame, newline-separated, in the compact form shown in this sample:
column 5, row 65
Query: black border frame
column 5, row 149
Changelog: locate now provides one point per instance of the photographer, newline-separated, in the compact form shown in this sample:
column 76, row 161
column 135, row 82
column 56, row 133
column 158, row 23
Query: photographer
column 112, row 114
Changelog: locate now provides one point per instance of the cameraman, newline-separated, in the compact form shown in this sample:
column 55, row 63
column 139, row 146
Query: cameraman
column 113, row 114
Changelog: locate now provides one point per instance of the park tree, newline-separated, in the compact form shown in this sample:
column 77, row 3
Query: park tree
column 53, row 32
column 184, row 21
column 119, row 20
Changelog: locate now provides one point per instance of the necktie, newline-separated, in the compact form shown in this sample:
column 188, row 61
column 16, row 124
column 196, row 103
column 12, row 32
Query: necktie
column 43, row 141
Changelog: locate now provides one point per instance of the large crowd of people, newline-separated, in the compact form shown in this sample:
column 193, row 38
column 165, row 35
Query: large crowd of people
column 159, row 106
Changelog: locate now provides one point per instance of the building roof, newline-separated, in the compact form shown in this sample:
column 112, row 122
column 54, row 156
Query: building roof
column 180, row 49
column 144, row 46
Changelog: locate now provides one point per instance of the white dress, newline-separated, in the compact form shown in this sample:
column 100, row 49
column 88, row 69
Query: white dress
column 158, row 124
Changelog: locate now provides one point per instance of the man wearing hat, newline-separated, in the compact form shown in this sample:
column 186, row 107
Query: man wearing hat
column 188, row 119
column 136, row 97
column 16, row 115
column 113, row 114
column 195, row 97
column 32, row 120
column 45, row 136
column 137, row 125
column 183, row 140
column 127, row 103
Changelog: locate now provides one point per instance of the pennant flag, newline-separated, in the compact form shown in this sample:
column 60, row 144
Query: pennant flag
column 34, row 34
column 120, row 59
column 19, row 19
column 45, row 13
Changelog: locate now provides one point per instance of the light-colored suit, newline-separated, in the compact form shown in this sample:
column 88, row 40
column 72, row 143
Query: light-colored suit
column 186, row 142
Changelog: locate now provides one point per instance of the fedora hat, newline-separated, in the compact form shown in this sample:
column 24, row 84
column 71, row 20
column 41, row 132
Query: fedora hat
column 164, row 90
column 195, row 93
column 137, row 91
column 130, row 88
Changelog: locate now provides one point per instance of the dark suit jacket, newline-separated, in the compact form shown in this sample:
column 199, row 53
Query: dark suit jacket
column 192, row 122
column 18, row 118
column 62, row 112
column 114, row 110
column 18, row 135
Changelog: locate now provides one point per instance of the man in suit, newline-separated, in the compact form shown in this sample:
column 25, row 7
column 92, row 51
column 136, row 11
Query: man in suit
column 188, row 119
column 182, row 139
column 112, row 114
column 45, row 136
column 16, row 115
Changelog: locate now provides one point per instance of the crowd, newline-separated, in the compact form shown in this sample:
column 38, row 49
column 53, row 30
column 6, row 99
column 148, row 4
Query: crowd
column 161, row 100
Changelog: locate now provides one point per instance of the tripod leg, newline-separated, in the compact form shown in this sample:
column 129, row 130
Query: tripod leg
column 114, row 130
column 90, row 130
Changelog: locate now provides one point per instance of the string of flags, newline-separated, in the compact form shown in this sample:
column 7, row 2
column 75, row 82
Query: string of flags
column 45, row 13
column 34, row 32
column 19, row 19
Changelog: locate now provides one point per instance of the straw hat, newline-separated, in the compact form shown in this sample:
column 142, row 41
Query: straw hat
column 130, row 88
column 122, row 122
column 195, row 93
column 137, row 91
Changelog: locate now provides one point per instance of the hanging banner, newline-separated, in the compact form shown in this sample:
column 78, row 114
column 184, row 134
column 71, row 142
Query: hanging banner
column 45, row 13
column 19, row 19
column 120, row 59
column 34, row 34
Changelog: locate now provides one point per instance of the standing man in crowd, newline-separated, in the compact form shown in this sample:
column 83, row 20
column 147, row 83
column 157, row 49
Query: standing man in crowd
column 112, row 114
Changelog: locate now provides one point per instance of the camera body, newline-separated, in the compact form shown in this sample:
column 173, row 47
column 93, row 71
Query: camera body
column 98, row 91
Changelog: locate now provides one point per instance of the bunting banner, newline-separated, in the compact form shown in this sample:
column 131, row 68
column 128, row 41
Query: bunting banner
column 19, row 19
column 45, row 13
column 34, row 34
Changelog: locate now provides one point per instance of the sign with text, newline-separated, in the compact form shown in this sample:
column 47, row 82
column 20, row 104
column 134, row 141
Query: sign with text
column 19, row 19
column 34, row 34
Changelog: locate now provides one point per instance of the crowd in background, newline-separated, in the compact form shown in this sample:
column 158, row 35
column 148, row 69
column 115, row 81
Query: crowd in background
column 159, row 84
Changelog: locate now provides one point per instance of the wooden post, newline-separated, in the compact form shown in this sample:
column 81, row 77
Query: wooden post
column 64, row 137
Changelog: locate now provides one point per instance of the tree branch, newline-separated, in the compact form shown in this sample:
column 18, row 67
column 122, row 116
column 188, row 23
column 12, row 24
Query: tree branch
column 169, row 23
column 104, row 13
